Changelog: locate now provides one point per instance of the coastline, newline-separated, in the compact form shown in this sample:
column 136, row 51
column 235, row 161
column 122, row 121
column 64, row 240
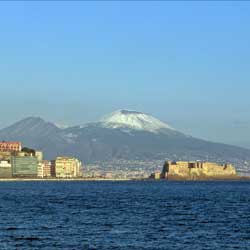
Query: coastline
column 239, row 178
column 60, row 179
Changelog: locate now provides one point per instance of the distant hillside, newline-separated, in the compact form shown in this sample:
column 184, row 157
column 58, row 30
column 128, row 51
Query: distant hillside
column 34, row 132
column 122, row 135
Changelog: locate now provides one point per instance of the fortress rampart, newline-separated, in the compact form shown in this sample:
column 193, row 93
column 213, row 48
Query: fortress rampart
column 182, row 170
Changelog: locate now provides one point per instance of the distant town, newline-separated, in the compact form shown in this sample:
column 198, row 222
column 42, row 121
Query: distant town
column 17, row 162
column 21, row 162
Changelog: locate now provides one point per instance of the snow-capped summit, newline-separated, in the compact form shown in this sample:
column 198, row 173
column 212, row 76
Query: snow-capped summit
column 134, row 120
column 61, row 126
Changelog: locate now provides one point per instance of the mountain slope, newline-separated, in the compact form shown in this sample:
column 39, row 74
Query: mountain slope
column 98, row 143
column 128, row 135
column 31, row 126
column 36, row 133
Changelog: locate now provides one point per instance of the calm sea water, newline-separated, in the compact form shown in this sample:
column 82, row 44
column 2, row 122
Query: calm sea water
column 125, row 215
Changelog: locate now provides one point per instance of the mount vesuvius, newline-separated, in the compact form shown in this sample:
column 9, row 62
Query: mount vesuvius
column 124, row 134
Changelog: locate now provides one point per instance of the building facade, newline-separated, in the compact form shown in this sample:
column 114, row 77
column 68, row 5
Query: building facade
column 67, row 167
column 44, row 169
column 24, row 166
column 39, row 156
column 10, row 146
column 5, row 156
column 5, row 169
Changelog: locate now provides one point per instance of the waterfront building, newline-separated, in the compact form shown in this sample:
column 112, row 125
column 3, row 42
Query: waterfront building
column 5, row 164
column 53, row 168
column 24, row 166
column 44, row 169
column 47, row 169
column 67, row 167
column 40, row 170
column 39, row 156
column 5, row 156
column 10, row 146
column 5, row 169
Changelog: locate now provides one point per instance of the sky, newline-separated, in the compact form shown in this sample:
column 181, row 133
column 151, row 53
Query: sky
column 186, row 63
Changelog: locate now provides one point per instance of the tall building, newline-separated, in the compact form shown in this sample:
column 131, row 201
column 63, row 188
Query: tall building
column 24, row 166
column 67, row 167
column 44, row 169
column 53, row 168
column 10, row 146
column 39, row 155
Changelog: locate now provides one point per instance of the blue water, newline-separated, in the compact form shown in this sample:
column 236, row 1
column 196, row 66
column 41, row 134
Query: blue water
column 125, row 215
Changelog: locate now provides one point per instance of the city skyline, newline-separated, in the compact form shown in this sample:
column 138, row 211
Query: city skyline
column 74, row 63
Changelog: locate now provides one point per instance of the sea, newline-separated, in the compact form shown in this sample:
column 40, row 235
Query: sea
column 125, row 215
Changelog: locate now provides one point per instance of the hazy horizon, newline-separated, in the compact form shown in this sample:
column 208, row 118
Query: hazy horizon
column 186, row 64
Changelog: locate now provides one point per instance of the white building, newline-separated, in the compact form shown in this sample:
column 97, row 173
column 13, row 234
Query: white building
column 5, row 164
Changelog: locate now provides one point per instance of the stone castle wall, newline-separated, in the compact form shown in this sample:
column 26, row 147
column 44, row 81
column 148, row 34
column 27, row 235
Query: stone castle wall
column 198, row 170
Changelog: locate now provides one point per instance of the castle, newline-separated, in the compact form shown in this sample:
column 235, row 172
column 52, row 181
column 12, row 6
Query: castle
column 199, row 170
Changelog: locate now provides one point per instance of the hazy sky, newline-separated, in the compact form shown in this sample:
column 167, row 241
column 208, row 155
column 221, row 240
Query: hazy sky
column 185, row 63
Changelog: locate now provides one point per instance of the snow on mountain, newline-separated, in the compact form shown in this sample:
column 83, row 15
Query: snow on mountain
column 134, row 120
column 139, row 137
column 61, row 126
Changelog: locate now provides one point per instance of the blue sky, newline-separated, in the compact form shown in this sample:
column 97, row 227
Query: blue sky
column 187, row 63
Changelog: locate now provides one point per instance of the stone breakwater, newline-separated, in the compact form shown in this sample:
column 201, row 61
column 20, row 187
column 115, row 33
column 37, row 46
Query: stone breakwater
column 197, row 171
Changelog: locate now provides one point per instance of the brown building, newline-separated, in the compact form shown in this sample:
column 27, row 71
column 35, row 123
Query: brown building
column 10, row 146
column 53, row 168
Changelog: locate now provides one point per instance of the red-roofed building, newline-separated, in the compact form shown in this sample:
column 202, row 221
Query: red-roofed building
column 10, row 146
